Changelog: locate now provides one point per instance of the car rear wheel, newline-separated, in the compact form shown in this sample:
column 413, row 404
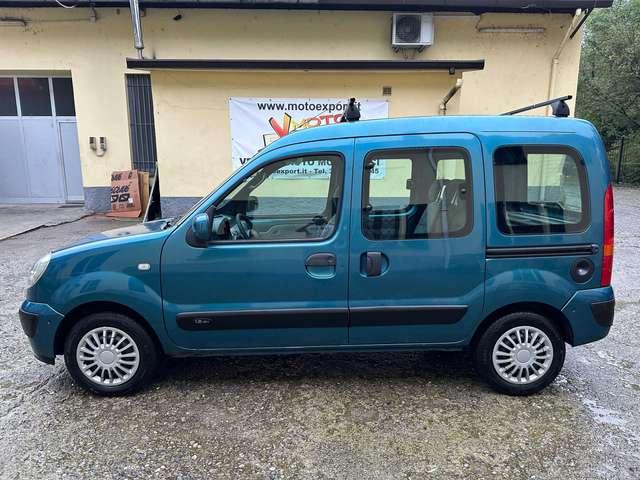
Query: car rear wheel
column 520, row 353
column 110, row 354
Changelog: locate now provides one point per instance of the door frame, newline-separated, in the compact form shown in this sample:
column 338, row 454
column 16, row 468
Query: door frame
column 60, row 120
column 329, row 314
column 445, row 320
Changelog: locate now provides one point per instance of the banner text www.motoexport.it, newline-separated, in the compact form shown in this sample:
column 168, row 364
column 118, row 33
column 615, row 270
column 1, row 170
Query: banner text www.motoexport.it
column 303, row 107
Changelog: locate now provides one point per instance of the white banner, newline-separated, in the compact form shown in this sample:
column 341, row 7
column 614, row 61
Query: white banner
column 256, row 122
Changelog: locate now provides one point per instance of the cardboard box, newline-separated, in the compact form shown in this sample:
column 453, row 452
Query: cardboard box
column 125, row 194
column 144, row 190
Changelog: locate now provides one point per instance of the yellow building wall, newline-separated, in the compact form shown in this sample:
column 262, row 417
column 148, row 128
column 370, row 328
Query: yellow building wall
column 192, row 107
column 197, row 158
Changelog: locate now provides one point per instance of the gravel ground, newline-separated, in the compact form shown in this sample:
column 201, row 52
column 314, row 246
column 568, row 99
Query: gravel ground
column 323, row 416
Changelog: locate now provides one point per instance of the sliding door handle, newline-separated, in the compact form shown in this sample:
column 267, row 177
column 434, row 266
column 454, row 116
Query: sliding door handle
column 373, row 264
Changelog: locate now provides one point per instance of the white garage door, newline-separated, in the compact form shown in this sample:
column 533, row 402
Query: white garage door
column 39, row 158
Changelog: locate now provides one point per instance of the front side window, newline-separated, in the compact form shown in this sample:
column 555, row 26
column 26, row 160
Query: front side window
column 294, row 199
column 540, row 189
column 414, row 194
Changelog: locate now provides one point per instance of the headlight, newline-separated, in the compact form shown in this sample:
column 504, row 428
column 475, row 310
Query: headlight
column 38, row 269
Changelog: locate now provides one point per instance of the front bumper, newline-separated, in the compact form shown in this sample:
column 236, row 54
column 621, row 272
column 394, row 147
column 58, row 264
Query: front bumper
column 39, row 322
column 590, row 313
column 29, row 322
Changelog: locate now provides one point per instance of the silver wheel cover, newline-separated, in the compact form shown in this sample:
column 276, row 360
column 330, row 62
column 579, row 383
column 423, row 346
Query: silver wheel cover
column 522, row 355
column 107, row 356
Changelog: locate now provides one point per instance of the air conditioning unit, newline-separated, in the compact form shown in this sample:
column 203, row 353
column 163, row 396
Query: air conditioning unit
column 412, row 30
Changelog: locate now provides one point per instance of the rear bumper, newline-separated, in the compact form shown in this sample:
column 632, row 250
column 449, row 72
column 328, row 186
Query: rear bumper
column 590, row 313
column 39, row 322
column 603, row 312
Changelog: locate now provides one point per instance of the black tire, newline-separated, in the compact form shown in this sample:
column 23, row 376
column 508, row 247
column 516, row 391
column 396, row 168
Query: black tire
column 483, row 353
column 148, row 353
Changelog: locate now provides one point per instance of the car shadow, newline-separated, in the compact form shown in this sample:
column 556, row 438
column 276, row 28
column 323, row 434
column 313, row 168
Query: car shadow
column 432, row 366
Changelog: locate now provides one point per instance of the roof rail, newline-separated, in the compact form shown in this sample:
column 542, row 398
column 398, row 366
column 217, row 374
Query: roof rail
column 558, row 105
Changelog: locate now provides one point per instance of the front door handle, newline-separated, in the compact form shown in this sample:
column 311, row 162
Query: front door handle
column 321, row 260
column 373, row 264
column 321, row 265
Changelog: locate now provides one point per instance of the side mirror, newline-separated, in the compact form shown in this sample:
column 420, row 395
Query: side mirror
column 252, row 204
column 200, row 227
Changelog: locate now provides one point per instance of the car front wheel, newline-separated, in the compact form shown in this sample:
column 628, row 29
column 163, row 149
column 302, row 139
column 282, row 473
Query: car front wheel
column 110, row 354
column 520, row 353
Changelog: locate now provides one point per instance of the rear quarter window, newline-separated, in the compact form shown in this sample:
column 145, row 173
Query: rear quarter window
column 540, row 189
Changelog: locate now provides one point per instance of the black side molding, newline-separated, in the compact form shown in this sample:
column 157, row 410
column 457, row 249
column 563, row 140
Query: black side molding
column 603, row 312
column 322, row 317
column 542, row 251
column 406, row 315
column 276, row 318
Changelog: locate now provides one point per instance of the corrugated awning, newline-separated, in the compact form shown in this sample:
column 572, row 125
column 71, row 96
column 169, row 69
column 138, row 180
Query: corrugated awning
column 323, row 65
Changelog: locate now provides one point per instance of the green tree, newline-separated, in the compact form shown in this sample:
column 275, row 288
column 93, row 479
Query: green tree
column 609, row 81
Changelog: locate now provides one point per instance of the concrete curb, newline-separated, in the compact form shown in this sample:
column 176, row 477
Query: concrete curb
column 86, row 213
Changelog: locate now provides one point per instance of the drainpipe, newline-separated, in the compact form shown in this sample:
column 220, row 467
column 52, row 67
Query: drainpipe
column 555, row 61
column 138, row 42
column 449, row 96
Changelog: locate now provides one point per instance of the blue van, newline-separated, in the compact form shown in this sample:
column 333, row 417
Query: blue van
column 487, row 234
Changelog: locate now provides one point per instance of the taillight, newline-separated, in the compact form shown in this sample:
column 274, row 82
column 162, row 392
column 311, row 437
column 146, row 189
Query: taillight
column 607, row 241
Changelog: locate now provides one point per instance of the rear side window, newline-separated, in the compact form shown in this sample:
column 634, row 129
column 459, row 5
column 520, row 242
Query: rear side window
column 417, row 194
column 540, row 189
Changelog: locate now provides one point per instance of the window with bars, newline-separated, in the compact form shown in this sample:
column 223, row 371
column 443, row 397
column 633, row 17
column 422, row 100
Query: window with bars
column 141, row 127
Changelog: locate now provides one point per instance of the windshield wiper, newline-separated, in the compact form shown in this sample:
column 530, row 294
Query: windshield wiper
column 171, row 222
